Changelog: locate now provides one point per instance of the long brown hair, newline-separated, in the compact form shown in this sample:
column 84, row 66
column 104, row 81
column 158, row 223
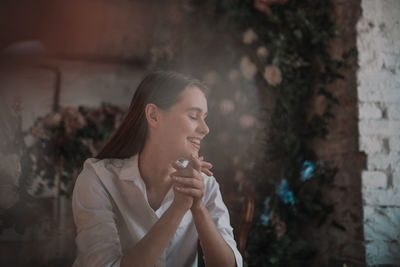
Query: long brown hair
column 161, row 88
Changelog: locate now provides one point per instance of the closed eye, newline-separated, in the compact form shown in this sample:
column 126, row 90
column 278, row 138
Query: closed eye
column 193, row 118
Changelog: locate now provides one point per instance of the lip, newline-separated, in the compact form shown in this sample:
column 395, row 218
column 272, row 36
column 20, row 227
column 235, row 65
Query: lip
column 195, row 145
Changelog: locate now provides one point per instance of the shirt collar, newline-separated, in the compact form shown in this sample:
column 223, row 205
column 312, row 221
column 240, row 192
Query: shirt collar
column 130, row 171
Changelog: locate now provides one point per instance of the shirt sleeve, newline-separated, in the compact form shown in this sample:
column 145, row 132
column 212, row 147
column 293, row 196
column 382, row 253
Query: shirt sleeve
column 220, row 215
column 97, row 236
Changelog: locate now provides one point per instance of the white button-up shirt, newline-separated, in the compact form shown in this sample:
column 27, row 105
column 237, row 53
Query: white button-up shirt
column 112, row 213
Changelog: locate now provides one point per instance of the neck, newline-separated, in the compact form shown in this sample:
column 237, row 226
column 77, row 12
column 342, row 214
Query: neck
column 155, row 168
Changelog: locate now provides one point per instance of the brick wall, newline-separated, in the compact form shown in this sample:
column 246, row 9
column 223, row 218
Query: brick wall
column 378, row 44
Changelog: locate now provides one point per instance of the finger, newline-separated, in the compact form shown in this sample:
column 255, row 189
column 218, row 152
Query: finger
column 195, row 163
column 207, row 171
column 201, row 158
column 188, row 182
column 188, row 173
column 206, row 164
column 190, row 191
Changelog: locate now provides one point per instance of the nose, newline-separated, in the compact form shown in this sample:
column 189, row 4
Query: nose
column 203, row 127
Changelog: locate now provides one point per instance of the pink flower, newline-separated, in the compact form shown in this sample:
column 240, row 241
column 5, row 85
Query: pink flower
column 53, row 120
column 226, row 106
column 264, row 5
column 246, row 121
column 249, row 36
column 280, row 229
column 262, row 52
column 234, row 75
column 247, row 68
column 280, row 226
column 38, row 133
column 273, row 75
column 211, row 78
column 73, row 120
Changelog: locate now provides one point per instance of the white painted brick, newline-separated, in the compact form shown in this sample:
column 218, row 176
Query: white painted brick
column 382, row 161
column 382, row 252
column 393, row 111
column 378, row 79
column 378, row 86
column 371, row 145
column 378, row 197
column 382, row 128
column 369, row 111
column 374, row 179
column 394, row 144
column 396, row 178
column 381, row 223
column 390, row 9
column 378, row 83
column 371, row 9
column 389, row 95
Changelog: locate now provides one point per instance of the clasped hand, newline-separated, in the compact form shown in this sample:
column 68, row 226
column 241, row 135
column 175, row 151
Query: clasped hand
column 189, row 182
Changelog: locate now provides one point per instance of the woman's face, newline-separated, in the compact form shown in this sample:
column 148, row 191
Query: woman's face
column 182, row 127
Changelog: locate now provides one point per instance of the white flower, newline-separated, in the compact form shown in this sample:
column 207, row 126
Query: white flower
column 262, row 52
column 226, row 106
column 273, row 75
column 234, row 75
column 249, row 36
column 246, row 121
column 53, row 120
column 211, row 78
column 247, row 68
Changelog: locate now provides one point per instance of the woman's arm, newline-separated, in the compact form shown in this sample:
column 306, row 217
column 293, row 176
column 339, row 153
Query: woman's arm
column 97, row 235
column 149, row 248
column 216, row 251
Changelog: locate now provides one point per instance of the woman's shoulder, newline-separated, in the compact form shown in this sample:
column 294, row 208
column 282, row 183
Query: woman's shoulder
column 95, row 170
column 109, row 165
column 210, row 182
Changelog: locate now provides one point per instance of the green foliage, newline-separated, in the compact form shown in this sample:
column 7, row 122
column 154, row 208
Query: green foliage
column 63, row 140
column 296, row 34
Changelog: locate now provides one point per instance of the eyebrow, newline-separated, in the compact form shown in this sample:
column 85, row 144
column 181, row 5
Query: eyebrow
column 198, row 109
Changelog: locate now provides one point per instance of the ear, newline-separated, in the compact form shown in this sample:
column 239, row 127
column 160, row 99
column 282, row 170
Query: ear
column 152, row 115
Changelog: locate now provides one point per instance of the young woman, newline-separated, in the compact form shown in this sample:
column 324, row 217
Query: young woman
column 147, row 198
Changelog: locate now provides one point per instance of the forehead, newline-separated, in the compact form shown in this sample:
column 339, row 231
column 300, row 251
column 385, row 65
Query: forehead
column 192, row 97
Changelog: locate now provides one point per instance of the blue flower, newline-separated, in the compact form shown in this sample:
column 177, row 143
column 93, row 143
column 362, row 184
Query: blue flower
column 266, row 204
column 307, row 171
column 264, row 219
column 285, row 193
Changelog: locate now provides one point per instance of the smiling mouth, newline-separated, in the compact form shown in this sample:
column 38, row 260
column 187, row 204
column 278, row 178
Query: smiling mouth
column 195, row 142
